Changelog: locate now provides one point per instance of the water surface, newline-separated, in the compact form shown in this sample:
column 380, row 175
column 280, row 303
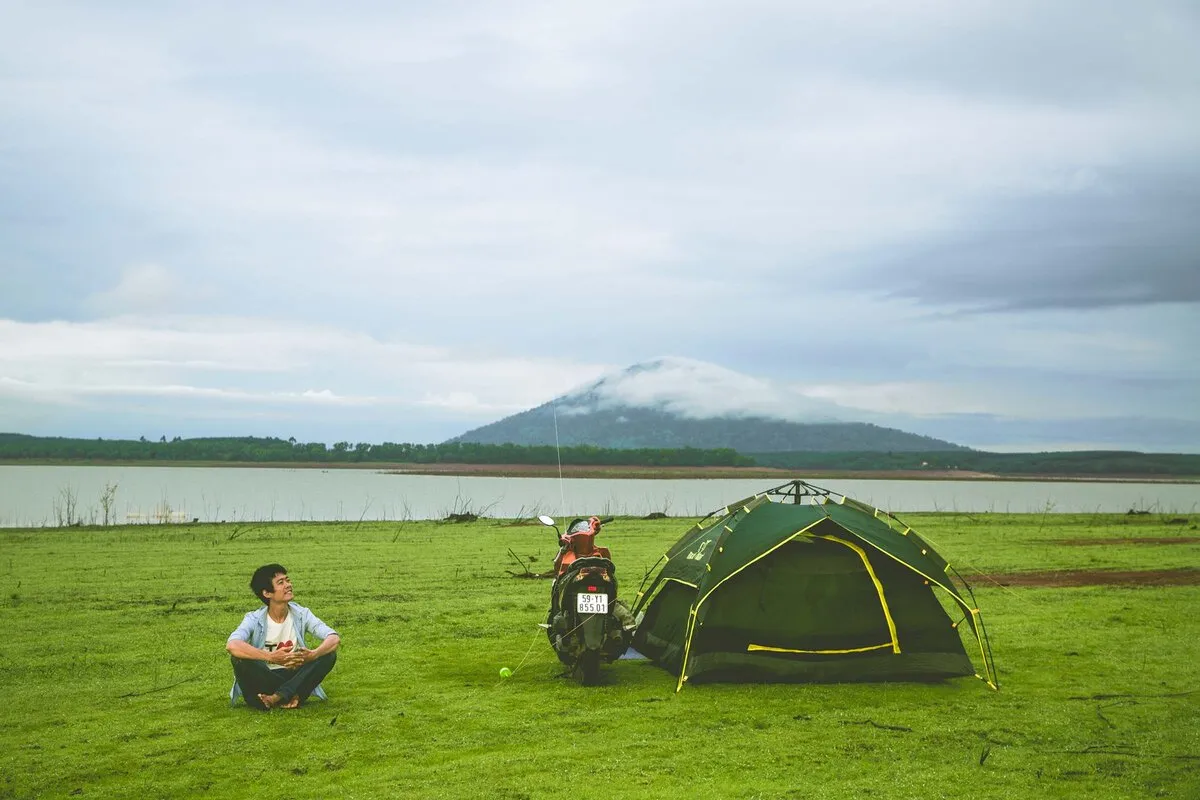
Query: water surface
column 45, row 495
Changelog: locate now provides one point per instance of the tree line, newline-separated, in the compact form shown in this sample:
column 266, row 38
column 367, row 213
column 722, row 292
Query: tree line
column 249, row 449
column 1081, row 463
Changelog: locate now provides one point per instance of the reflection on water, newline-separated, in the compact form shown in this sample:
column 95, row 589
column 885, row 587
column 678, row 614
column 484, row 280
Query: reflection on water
column 51, row 496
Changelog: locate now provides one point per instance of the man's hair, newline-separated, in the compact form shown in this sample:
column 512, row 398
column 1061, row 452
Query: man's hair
column 263, row 580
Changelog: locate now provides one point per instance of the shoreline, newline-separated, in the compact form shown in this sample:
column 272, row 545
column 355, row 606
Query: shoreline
column 616, row 472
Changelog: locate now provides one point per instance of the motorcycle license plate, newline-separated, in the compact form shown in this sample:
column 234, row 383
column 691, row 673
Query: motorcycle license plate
column 591, row 603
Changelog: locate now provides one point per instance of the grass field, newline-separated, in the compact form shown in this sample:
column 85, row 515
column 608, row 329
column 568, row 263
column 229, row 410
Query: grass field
column 115, row 678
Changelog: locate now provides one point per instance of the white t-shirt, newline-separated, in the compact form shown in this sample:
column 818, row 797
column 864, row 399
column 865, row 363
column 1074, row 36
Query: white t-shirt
column 280, row 634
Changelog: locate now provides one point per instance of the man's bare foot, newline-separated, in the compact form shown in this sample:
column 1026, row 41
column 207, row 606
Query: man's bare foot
column 293, row 703
column 270, row 700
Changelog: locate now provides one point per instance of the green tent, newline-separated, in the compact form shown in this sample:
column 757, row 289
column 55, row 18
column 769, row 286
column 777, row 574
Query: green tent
column 799, row 583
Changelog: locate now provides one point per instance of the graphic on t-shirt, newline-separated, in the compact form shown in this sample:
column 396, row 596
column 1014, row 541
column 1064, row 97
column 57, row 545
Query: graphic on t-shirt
column 279, row 634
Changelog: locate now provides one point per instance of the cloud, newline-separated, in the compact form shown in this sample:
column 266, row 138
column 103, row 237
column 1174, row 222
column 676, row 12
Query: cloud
column 1119, row 432
column 254, row 363
column 147, row 289
column 975, row 410
column 73, row 394
column 1129, row 239
column 467, row 402
column 697, row 389
column 461, row 209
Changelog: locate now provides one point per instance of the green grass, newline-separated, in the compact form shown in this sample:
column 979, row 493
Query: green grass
column 115, row 678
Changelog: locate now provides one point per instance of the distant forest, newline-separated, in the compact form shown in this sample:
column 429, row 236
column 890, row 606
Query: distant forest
column 19, row 447
column 1083, row 462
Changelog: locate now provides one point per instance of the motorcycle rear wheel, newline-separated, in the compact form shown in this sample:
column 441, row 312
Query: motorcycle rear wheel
column 589, row 667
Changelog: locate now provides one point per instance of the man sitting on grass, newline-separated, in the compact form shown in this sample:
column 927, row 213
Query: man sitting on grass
column 272, row 667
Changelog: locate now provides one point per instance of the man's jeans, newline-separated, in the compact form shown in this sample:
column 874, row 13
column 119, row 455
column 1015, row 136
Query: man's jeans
column 256, row 678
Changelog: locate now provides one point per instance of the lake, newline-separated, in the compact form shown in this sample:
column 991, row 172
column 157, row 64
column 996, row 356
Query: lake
column 33, row 496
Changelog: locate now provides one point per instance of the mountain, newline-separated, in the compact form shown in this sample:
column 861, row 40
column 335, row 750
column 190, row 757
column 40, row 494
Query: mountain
column 674, row 402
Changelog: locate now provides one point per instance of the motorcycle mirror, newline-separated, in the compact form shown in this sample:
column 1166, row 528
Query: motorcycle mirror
column 547, row 521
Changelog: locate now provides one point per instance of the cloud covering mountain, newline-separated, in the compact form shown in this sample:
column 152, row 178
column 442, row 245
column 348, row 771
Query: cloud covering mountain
column 674, row 402
column 698, row 390
column 680, row 402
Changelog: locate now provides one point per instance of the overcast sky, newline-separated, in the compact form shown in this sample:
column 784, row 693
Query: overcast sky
column 389, row 221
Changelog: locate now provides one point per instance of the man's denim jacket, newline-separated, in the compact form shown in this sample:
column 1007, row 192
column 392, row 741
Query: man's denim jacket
column 254, row 630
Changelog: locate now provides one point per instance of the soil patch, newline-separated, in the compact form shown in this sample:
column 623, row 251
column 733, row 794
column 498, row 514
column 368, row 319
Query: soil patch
column 1185, row 576
column 1129, row 540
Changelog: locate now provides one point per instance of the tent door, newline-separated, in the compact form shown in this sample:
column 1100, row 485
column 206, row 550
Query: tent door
column 894, row 644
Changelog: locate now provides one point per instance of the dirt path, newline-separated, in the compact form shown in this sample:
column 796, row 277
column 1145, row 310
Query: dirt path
column 1128, row 540
column 1185, row 576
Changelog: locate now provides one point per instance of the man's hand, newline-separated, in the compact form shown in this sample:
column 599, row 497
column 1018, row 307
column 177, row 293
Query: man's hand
column 298, row 657
column 281, row 656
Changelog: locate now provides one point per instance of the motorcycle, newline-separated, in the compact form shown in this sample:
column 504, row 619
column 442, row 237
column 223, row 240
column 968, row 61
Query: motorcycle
column 586, row 624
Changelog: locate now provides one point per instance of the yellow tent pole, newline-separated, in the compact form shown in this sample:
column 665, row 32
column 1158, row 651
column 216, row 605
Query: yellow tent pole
column 887, row 612
column 687, row 647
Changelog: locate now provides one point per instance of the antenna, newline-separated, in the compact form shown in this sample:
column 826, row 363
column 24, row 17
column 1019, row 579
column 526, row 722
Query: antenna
column 562, row 499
